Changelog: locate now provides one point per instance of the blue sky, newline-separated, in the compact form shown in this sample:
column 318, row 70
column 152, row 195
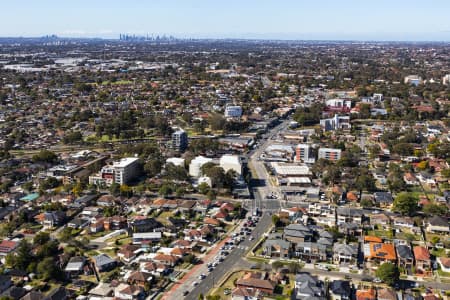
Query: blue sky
column 283, row 19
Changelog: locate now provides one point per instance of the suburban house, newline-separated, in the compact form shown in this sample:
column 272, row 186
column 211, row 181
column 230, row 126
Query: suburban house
column 310, row 251
column 51, row 219
column 349, row 215
column 75, row 266
column 384, row 199
column 127, row 253
column 340, row 290
column 166, row 259
column 386, row 294
column 240, row 293
column 308, row 287
column 379, row 252
column 140, row 278
column 104, row 263
column 400, row 221
column 7, row 247
column 444, row 262
column 369, row 294
column 344, row 253
column 276, row 248
column 405, row 257
column 423, row 260
column 437, row 224
column 256, row 281
column 296, row 233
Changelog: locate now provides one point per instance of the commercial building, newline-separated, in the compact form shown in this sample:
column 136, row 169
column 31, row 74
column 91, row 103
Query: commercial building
column 335, row 123
column 121, row 172
column 177, row 161
column 304, row 153
column 231, row 162
column 195, row 167
column 290, row 170
column 330, row 153
column 233, row 111
column 446, row 79
column 413, row 80
column 179, row 140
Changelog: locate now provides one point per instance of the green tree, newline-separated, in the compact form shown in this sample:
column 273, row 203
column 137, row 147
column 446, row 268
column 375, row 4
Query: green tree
column 41, row 238
column 45, row 156
column 405, row 203
column 165, row 190
column 277, row 265
column 275, row 220
column 364, row 181
column 114, row 189
column 388, row 273
column 203, row 188
column 47, row 269
column 126, row 190
column 435, row 209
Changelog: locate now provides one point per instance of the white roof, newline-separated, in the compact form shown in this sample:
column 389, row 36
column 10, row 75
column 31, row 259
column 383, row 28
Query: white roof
column 201, row 160
column 143, row 235
column 230, row 159
column 124, row 162
column 298, row 180
column 285, row 169
column 176, row 161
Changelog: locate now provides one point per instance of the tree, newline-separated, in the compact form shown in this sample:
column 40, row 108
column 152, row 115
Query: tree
column 165, row 190
column 65, row 235
column 45, row 156
column 47, row 269
column 364, row 181
column 41, row 238
column 275, row 220
column 203, row 188
column 366, row 203
column 126, row 190
column 114, row 189
column 23, row 256
column 277, row 265
column 180, row 191
column 435, row 209
column 388, row 273
column 405, row 203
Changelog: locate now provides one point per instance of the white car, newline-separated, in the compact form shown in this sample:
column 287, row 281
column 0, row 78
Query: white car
column 194, row 283
column 377, row 280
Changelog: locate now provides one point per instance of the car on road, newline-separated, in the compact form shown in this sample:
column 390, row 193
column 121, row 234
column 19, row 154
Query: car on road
column 185, row 292
column 348, row 277
column 201, row 276
column 250, row 238
column 194, row 283
column 377, row 280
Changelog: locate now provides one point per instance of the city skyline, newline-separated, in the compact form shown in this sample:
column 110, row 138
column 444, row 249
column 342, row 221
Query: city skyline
column 290, row 20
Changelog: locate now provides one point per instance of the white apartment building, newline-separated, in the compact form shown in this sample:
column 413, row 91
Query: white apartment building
column 304, row 153
column 195, row 167
column 231, row 162
column 121, row 172
column 233, row 111
column 330, row 153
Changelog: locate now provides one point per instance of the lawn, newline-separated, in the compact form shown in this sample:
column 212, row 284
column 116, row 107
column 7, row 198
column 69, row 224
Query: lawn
column 164, row 216
column 381, row 233
column 229, row 284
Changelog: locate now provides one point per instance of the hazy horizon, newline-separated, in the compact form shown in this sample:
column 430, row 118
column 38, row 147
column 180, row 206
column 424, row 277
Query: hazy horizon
column 252, row 19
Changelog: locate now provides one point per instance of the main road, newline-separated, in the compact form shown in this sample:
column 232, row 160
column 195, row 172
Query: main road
column 261, row 189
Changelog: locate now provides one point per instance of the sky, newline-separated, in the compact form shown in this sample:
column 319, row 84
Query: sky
column 389, row 20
